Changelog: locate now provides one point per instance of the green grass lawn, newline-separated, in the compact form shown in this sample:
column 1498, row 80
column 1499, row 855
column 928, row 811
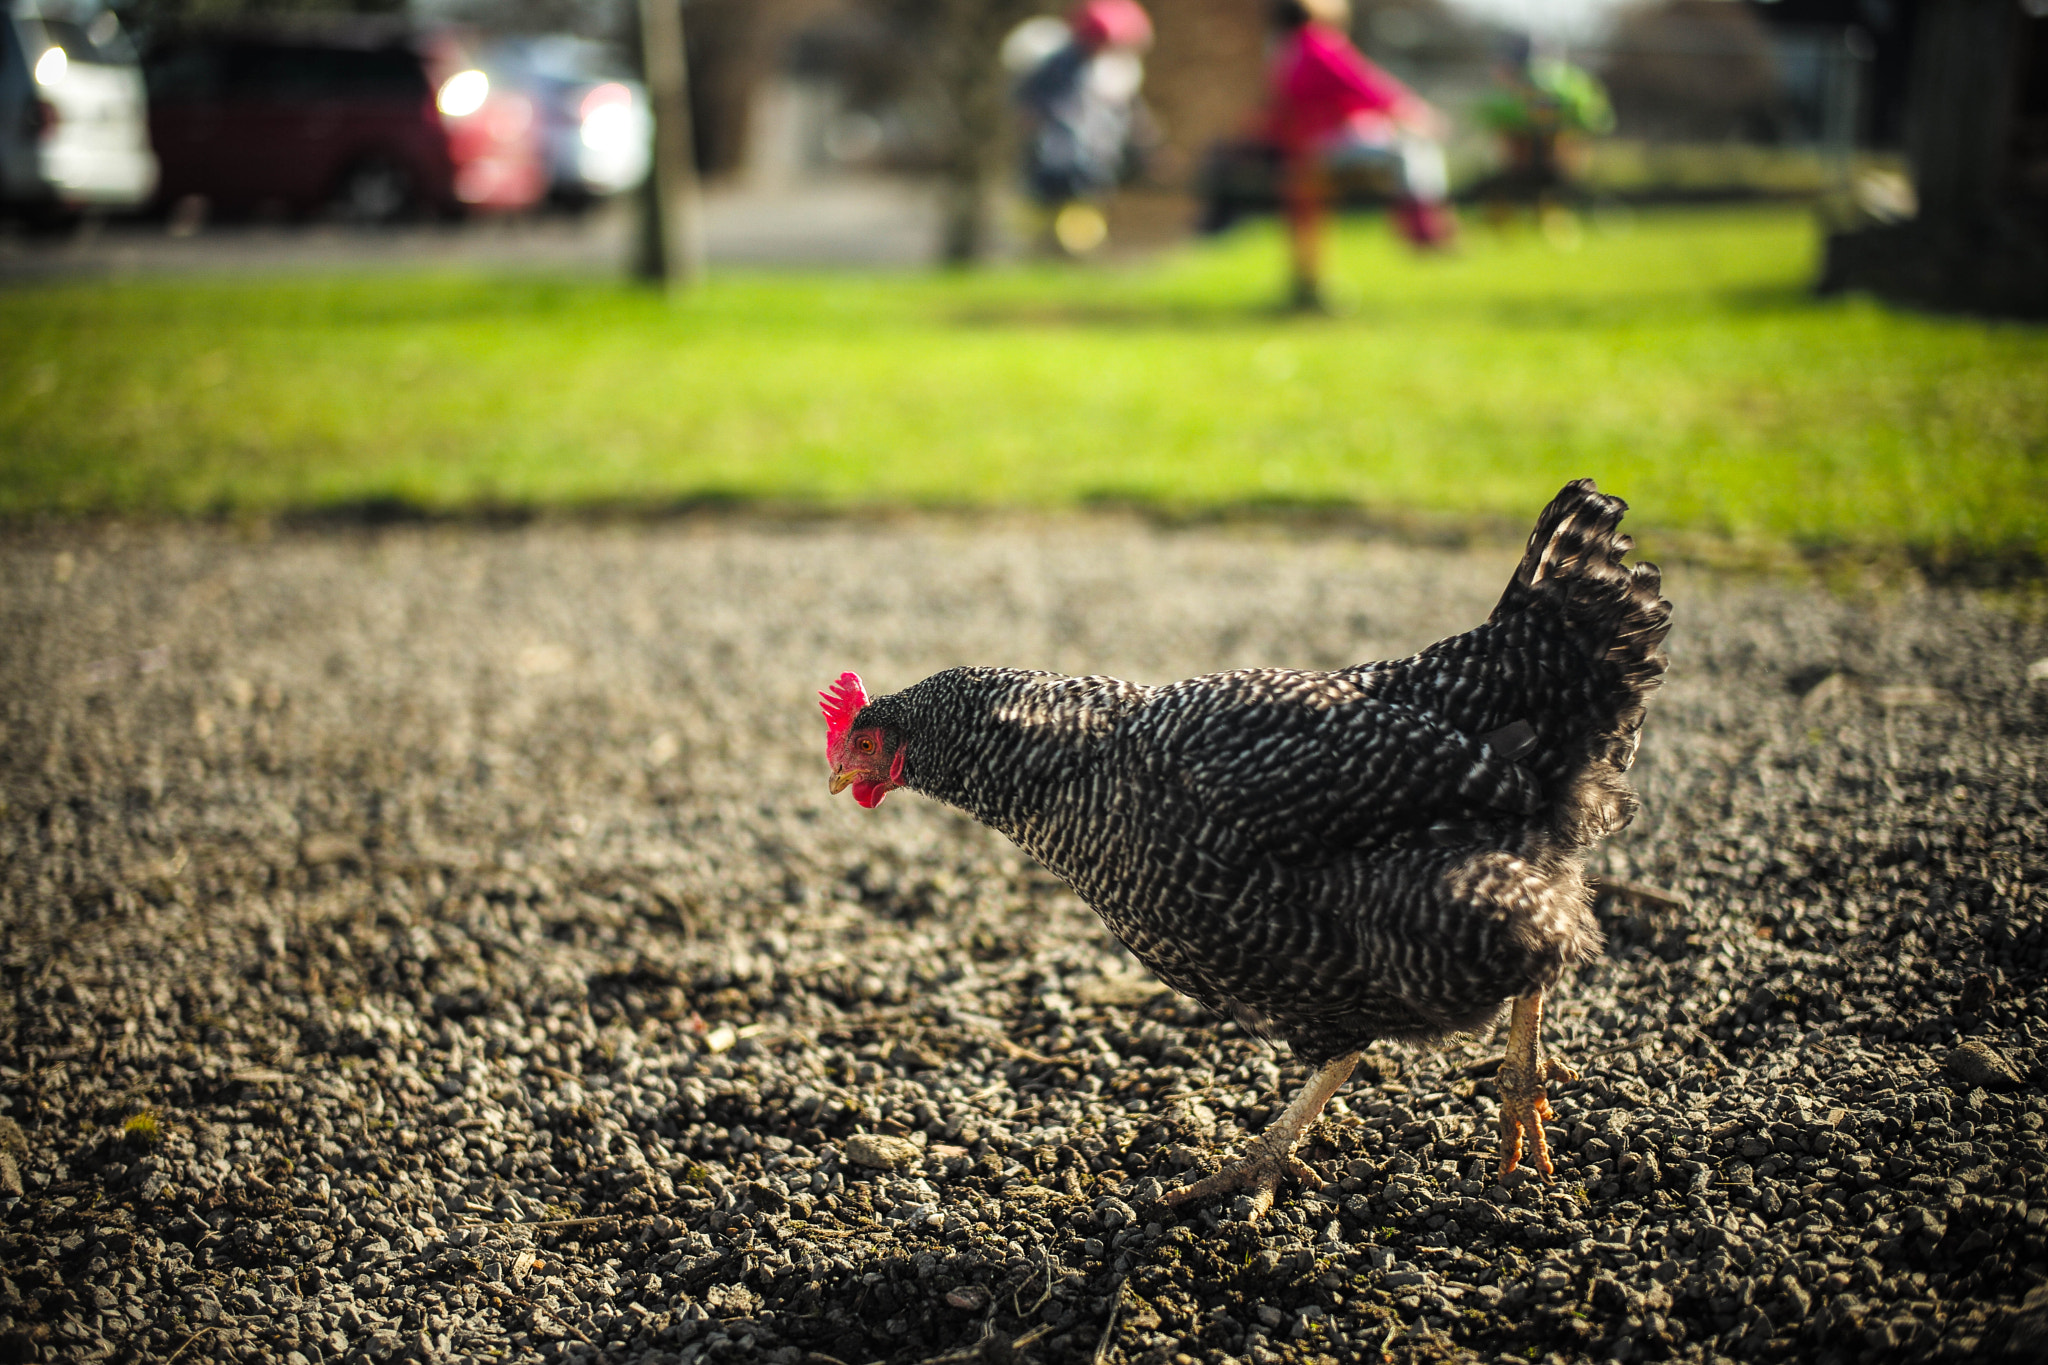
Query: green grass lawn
column 1679, row 360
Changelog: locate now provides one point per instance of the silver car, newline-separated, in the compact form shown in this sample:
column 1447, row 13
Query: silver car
column 74, row 117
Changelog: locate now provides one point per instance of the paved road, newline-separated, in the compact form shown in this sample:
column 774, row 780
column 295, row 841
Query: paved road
column 852, row 222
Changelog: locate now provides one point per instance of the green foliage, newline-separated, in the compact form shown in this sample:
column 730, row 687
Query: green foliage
column 1680, row 361
column 143, row 1129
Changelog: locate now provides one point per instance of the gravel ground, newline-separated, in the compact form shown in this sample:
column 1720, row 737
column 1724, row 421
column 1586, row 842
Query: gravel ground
column 437, row 943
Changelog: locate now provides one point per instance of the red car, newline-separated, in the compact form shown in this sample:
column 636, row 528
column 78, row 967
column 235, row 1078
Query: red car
column 494, row 129
column 340, row 121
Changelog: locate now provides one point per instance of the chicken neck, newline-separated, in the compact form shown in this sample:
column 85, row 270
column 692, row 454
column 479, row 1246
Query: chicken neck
column 1271, row 1154
column 1523, row 1072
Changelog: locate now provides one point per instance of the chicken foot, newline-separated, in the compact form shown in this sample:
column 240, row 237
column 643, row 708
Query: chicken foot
column 1523, row 1072
column 1271, row 1154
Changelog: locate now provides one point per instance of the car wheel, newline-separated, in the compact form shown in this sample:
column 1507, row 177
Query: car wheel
column 376, row 189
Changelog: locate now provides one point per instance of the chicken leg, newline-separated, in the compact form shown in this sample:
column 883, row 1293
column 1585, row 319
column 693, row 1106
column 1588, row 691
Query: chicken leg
column 1271, row 1154
column 1523, row 1105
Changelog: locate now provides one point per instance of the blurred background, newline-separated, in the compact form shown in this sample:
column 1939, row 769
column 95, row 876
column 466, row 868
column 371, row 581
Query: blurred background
column 280, row 255
column 833, row 130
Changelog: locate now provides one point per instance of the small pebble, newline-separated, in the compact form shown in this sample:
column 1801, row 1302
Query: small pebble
column 881, row 1151
column 1976, row 1062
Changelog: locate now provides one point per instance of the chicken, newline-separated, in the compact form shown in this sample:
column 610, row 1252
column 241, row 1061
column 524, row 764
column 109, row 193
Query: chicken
column 1386, row 851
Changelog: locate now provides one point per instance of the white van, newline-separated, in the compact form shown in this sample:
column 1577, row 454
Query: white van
column 74, row 117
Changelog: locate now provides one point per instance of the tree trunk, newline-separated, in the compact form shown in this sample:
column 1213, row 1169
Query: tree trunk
column 1980, row 239
column 1959, row 125
column 976, row 90
column 670, row 250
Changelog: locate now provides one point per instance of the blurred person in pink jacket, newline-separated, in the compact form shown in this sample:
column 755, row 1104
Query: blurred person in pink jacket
column 1331, row 107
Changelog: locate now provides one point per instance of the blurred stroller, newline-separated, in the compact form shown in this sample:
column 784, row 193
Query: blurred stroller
column 1085, row 129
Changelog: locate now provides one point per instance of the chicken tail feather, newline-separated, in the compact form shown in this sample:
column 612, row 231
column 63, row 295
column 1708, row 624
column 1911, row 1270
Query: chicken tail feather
column 1574, row 578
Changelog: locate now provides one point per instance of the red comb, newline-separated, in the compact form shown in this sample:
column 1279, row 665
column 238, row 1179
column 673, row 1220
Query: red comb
column 841, row 703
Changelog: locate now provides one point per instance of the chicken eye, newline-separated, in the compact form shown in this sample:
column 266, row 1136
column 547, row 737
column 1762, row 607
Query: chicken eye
column 867, row 744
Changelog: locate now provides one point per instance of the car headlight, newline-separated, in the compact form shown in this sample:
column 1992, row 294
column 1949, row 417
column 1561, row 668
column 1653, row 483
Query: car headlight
column 463, row 93
column 608, row 129
column 607, row 114
column 51, row 66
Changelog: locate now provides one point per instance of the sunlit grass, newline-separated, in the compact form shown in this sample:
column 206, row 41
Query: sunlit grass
column 1679, row 359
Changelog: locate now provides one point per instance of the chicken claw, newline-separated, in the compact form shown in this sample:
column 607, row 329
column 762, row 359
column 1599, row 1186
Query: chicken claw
column 1259, row 1171
column 1271, row 1155
column 1523, row 1073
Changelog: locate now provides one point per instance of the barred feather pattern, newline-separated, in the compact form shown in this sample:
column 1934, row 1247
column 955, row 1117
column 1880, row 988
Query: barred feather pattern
column 1390, row 850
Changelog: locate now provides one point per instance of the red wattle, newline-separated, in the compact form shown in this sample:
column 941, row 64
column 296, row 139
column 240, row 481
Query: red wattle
column 870, row 794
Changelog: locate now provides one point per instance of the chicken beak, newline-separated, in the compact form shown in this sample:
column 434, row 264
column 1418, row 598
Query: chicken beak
column 841, row 781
